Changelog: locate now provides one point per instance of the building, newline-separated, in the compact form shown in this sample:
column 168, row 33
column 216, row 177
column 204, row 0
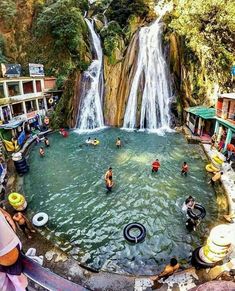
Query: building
column 225, row 118
column 204, row 122
column 200, row 120
column 22, row 98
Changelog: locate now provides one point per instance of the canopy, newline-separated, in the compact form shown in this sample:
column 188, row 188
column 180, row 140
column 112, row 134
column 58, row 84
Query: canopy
column 201, row 111
column 12, row 124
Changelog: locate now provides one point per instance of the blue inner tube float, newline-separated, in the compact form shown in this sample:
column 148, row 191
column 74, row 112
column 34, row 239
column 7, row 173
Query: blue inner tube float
column 196, row 215
column 131, row 238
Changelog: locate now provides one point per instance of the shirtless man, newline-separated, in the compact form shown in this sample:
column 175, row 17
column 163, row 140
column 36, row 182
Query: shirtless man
column 109, row 184
column 168, row 270
column 118, row 143
column 22, row 223
column 109, row 174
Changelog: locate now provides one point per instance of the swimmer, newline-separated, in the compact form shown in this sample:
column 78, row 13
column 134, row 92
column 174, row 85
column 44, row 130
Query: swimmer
column 168, row 270
column 89, row 140
column 118, row 143
column 95, row 141
column 191, row 224
column 22, row 223
column 42, row 152
column 190, row 202
column 46, row 142
column 155, row 166
column 109, row 174
column 184, row 169
column 109, row 184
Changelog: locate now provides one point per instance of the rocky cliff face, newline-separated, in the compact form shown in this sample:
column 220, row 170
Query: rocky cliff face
column 191, row 78
column 118, row 80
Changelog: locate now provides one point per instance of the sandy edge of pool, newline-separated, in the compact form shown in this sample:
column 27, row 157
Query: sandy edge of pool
column 64, row 265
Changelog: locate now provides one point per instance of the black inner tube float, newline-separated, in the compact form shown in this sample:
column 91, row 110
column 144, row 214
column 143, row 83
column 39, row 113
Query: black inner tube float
column 194, row 215
column 134, row 239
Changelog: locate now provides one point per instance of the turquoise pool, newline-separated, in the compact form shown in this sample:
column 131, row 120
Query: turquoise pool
column 85, row 221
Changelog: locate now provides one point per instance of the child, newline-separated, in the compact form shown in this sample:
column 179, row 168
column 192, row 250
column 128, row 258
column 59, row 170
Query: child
column 22, row 223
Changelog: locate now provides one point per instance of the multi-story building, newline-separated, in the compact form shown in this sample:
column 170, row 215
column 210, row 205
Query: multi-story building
column 22, row 98
column 225, row 118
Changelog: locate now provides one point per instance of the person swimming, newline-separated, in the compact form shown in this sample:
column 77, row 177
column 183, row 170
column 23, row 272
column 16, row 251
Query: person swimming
column 109, row 174
column 188, row 203
column 109, row 184
column 118, row 143
column 184, row 169
column 155, row 166
column 89, row 140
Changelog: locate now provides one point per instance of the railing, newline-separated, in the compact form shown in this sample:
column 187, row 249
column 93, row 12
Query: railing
column 47, row 279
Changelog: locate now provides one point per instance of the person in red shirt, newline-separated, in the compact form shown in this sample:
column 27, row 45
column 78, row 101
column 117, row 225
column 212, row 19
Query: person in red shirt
column 184, row 169
column 155, row 166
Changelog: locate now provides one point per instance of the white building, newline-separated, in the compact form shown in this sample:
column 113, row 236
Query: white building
column 22, row 98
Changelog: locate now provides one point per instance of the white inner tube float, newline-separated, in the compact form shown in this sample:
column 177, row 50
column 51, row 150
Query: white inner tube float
column 40, row 219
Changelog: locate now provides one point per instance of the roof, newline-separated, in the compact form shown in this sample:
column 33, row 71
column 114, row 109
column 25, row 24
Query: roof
column 226, row 123
column 202, row 111
column 227, row 95
column 11, row 124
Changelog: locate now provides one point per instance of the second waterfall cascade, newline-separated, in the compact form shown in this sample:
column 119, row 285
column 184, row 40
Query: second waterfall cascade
column 90, row 109
column 152, row 79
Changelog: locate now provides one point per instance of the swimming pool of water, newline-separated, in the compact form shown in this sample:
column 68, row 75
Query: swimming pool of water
column 88, row 222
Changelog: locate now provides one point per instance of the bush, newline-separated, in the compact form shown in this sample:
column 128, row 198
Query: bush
column 7, row 12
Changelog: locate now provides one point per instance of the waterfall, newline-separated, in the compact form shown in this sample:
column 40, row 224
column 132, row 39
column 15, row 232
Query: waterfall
column 152, row 80
column 90, row 109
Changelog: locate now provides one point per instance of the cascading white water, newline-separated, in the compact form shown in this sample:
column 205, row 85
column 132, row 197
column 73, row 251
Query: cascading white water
column 152, row 72
column 90, row 109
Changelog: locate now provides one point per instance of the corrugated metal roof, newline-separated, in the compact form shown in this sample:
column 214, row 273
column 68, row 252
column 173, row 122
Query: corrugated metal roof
column 202, row 111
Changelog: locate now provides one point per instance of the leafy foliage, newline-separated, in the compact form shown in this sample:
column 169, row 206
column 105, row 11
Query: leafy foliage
column 2, row 49
column 62, row 32
column 7, row 11
column 120, row 11
column 110, row 36
column 208, row 29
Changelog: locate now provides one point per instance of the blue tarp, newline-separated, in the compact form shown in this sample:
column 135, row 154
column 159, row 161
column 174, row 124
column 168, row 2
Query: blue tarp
column 21, row 138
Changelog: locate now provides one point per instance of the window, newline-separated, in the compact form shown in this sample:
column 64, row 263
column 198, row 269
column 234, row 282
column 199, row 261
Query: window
column 17, row 109
column 30, row 106
column 41, row 104
column 1, row 91
column 13, row 88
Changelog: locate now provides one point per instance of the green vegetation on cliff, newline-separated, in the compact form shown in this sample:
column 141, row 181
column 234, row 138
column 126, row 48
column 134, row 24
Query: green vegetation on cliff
column 7, row 12
column 207, row 35
column 63, row 34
